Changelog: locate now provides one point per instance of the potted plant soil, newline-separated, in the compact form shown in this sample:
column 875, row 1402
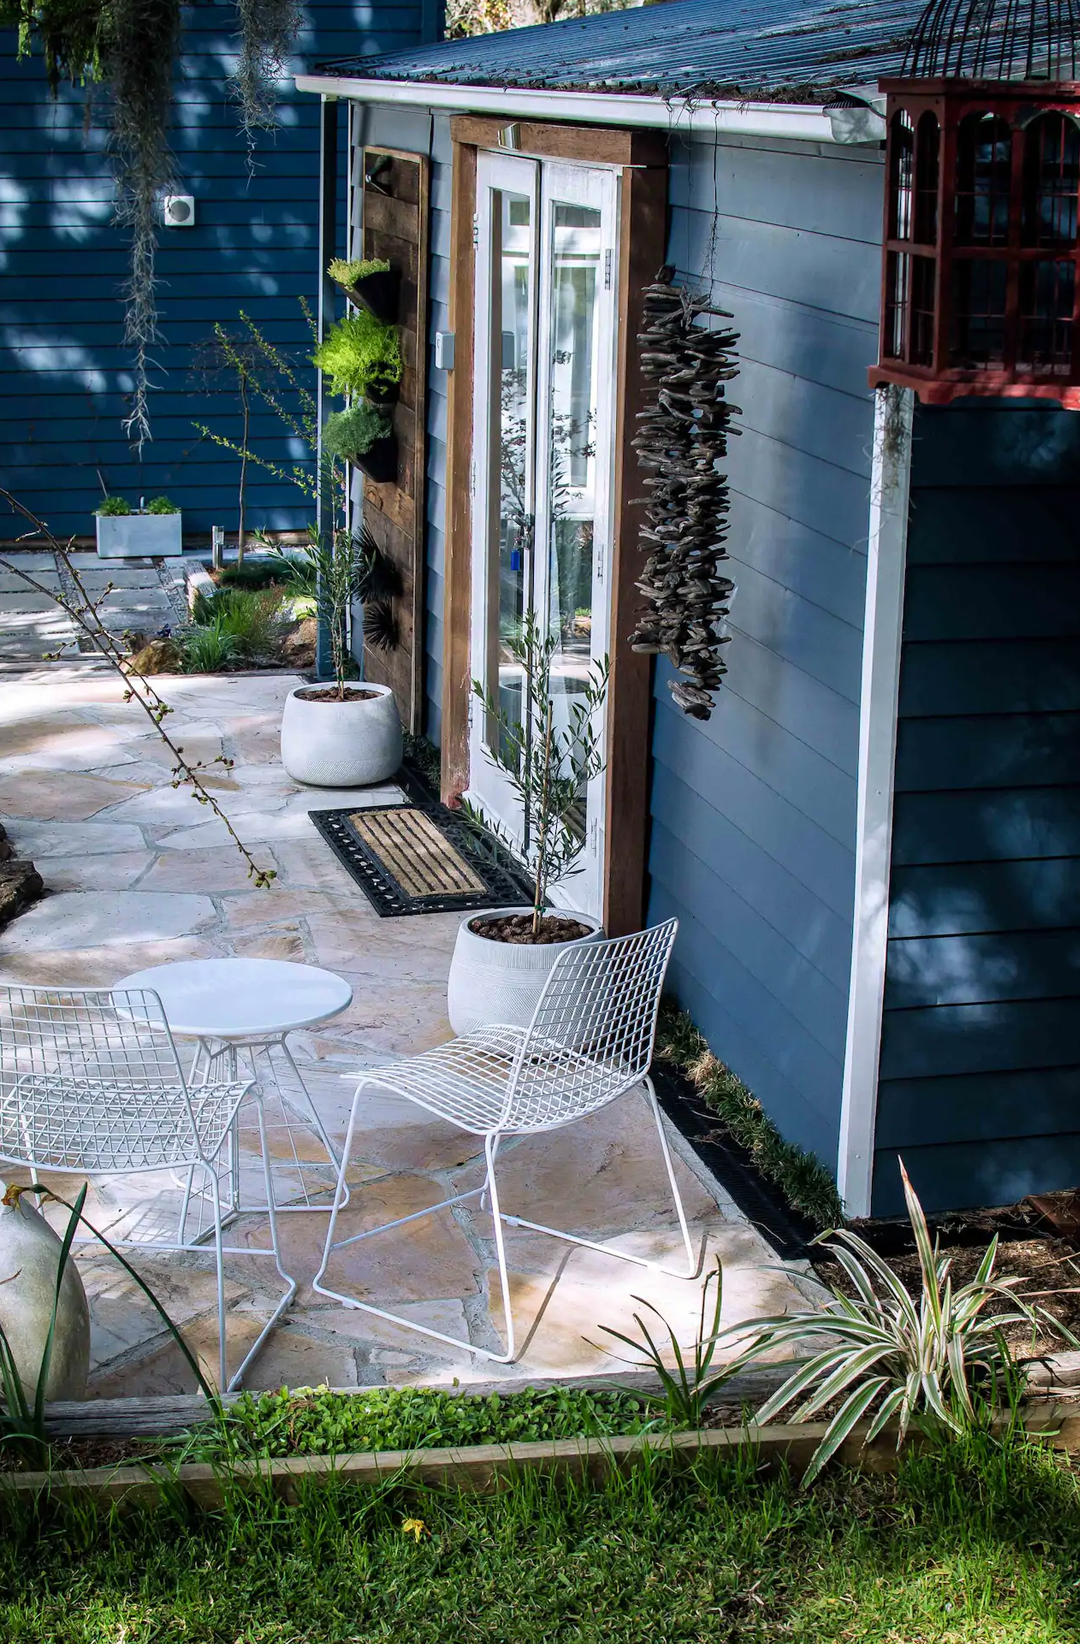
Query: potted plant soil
column 124, row 532
column 341, row 735
column 363, row 436
column 502, row 959
column 371, row 283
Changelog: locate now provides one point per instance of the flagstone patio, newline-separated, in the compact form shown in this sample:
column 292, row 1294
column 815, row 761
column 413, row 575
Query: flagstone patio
column 138, row 875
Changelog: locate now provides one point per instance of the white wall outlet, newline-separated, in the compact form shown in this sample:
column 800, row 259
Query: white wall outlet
column 444, row 350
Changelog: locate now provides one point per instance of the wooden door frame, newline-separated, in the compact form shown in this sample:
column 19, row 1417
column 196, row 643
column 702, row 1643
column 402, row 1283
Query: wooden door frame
column 641, row 157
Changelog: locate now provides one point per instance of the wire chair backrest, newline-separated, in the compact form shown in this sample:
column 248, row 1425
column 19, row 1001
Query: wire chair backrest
column 593, row 1029
column 90, row 1080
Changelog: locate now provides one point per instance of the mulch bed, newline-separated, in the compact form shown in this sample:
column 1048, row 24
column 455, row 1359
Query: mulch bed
column 1049, row 1268
column 516, row 928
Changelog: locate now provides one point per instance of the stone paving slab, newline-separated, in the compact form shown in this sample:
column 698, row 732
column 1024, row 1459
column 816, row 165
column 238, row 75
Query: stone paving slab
column 85, row 789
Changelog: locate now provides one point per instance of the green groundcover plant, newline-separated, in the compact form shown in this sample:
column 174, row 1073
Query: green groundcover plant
column 976, row 1542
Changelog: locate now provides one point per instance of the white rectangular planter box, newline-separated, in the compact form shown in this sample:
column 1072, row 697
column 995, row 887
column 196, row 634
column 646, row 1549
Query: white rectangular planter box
column 139, row 536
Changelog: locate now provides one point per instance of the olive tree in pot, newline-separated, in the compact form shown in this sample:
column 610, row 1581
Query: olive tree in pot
column 502, row 959
column 345, row 735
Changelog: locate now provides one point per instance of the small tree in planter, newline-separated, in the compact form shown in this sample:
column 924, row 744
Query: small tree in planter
column 502, row 959
column 344, row 735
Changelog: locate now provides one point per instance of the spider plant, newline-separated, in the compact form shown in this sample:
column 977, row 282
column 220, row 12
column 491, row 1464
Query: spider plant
column 686, row 1390
column 939, row 1359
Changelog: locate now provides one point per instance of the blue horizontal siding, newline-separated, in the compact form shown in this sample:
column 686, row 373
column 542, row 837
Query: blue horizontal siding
column 980, row 1057
column 753, row 812
column 65, row 375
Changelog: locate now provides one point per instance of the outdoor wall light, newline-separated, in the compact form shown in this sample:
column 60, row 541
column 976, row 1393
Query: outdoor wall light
column 178, row 211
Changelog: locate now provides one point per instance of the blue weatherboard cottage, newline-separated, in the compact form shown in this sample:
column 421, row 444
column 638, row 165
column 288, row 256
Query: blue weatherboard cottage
column 872, row 840
column 66, row 374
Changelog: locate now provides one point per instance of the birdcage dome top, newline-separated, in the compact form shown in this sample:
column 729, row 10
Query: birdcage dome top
column 996, row 40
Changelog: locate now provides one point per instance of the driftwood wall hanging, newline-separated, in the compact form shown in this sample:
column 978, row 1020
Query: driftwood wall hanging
column 682, row 433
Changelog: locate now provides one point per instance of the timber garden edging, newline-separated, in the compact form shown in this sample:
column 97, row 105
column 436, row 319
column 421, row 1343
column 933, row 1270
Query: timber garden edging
column 487, row 1468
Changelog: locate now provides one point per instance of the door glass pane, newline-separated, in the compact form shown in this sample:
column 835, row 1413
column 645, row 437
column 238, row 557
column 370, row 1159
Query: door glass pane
column 511, row 471
column 572, row 337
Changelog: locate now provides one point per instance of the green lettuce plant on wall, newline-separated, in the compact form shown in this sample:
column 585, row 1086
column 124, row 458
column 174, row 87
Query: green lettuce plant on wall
column 129, row 48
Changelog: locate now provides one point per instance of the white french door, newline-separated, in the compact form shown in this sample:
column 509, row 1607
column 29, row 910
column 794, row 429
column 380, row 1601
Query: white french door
column 543, row 448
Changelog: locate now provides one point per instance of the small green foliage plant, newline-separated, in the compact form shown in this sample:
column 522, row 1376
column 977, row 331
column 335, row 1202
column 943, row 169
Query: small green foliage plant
column 161, row 505
column 806, row 1183
column 686, row 1390
column 352, row 432
column 253, row 574
column 359, row 353
column 113, row 507
column 208, row 647
column 939, row 1359
column 315, row 1421
column 547, row 768
column 233, row 624
column 347, row 270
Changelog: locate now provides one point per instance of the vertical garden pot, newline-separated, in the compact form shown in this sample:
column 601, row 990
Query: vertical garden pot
column 380, row 461
column 349, row 744
column 379, row 293
column 29, row 1256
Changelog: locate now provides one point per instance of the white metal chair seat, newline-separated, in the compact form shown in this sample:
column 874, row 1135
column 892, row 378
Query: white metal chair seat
column 107, row 1124
column 473, row 1081
column 590, row 1041
column 90, row 1082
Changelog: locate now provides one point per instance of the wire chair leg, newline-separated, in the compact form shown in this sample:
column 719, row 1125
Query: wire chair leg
column 693, row 1263
column 219, row 1263
column 491, row 1143
column 290, row 1282
column 319, row 1127
column 491, row 1147
column 341, row 1198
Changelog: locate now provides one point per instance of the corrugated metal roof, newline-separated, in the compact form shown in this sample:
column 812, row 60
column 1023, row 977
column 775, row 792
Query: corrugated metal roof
column 751, row 48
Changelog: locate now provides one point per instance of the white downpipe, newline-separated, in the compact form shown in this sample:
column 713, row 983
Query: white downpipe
column 882, row 632
column 805, row 124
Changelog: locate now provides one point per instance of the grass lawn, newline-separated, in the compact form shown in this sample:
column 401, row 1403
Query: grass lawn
column 978, row 1545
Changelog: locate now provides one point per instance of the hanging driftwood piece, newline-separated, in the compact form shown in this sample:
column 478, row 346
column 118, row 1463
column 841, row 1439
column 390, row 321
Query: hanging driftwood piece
column 681, row 435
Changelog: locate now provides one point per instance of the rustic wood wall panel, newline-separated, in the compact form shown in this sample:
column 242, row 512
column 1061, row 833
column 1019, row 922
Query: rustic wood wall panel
column 395, row 226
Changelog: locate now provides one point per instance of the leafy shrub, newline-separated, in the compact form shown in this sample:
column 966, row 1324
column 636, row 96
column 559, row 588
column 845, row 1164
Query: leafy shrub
column 940, row 1359
column 352, row 432
column 208, row 647
column 358, row 353
column 250, row 618
column 318, row 1422
column 113, row 507
column 346, row 271
column 255, row 574
column 161, row 505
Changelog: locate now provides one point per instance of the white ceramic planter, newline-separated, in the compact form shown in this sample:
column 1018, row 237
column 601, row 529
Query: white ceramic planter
column 29, row 1253
column 500, row 982
column 139, row 536
column 341, row 744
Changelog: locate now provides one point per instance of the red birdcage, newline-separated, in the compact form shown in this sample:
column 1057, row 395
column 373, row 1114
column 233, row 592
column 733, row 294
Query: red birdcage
column 980, row 290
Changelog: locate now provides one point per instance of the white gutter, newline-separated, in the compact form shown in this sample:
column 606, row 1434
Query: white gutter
column 792, row 120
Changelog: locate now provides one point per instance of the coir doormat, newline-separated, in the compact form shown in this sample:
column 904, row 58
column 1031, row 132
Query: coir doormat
column 418, row 858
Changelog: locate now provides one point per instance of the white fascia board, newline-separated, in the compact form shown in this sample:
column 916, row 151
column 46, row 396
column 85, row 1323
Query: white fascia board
column 879, row 700
column 791, row 120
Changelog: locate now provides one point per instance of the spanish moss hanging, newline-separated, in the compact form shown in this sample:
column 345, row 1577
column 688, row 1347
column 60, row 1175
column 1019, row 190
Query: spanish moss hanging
column 683, row 433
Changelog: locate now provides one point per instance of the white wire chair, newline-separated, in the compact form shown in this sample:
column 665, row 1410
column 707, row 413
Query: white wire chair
column 590, row 1041
column 91, row 1084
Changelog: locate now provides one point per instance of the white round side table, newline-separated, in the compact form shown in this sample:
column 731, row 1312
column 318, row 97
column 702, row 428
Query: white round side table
column 243, row 1010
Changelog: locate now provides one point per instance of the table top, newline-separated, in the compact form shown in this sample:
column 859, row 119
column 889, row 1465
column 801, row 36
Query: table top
column 241, row 998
